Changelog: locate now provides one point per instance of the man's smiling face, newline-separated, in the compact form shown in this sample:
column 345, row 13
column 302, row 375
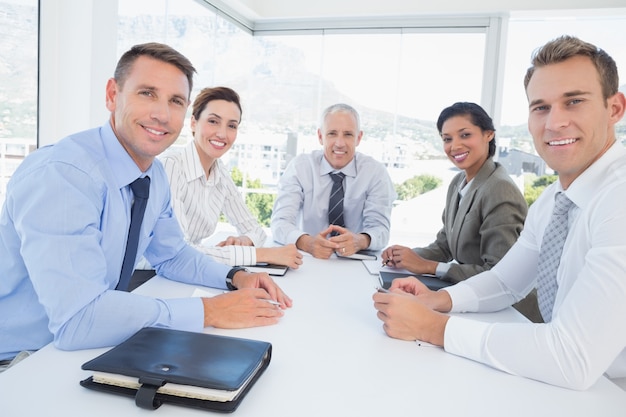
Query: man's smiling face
column 339, row 137
column 569, row 119
column 148, row 110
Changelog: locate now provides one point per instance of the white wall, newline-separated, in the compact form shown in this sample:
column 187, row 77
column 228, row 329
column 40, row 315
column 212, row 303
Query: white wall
column 281, row 9
column 78, row 53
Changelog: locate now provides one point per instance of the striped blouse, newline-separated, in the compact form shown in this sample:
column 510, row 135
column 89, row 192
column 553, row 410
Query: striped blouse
column 198, row 202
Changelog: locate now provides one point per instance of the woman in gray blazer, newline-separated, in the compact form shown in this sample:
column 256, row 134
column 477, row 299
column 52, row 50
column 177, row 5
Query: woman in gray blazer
column 484, row 212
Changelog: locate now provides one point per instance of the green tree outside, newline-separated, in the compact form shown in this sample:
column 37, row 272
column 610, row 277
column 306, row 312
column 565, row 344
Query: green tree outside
column 417, row 185
column 534, row 187
column 259, row 204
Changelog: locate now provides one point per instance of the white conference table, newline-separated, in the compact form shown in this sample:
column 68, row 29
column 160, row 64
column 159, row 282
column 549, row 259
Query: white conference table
column 330, row 357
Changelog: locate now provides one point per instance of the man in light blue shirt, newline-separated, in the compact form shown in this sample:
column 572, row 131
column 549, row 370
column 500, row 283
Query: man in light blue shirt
column 65, row 222
column 301, row 209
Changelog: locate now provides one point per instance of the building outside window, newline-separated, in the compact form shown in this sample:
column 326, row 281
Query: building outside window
column 398, row 78
column 18, row 85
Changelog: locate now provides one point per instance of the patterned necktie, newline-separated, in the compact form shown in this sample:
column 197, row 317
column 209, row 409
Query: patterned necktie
column 550, row 255
column 335, row 205
column 141, row 191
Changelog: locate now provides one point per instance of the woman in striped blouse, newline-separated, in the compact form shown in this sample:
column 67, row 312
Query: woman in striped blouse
column 202, row 188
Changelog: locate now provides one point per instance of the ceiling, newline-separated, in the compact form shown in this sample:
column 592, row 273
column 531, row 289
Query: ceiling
column 270, row 10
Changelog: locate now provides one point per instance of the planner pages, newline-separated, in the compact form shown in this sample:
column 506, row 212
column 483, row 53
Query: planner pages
column 188, row 391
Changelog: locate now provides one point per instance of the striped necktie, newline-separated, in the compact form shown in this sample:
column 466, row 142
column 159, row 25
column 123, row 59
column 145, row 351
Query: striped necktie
column 335, row 204
column 550, row 255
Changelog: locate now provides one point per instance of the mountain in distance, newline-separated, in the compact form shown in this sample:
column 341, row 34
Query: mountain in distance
column 293, row 107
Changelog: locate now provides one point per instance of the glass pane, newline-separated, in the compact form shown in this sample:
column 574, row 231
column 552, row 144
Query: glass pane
column 396, row 85
column 368, row 81
column 439, row 69
column 436, row 70
column 18, row 85
column 527, row 34
column 399, row 82
column 215, row 46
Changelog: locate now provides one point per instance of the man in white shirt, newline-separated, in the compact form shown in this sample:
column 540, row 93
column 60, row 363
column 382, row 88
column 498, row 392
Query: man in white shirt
column 574, row 104
column 301, row 210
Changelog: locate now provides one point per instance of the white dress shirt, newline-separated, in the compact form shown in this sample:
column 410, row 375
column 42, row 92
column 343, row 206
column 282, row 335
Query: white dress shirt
column 587, row 334
column 198, row 202
column 304, row 191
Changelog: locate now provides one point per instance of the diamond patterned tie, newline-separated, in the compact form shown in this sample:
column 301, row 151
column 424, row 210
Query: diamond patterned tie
column 335, row 204
column 141, row 191
column 550, row 255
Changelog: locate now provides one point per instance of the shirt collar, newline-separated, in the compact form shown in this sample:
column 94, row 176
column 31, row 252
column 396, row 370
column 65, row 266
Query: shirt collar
column 584, row 188
column 464, row 187
column 123, row 168
column 349, row 170
column 194, row 169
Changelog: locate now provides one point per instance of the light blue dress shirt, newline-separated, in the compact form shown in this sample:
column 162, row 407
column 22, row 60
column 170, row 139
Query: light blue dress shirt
column 304, row 191
column 63, row 231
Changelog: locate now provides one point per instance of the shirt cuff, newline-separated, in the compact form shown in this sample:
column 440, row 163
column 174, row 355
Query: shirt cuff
column 442, row 269
column 463, row 298
column 185, row 313
column 293, row 236
column 465, row 337
column 242, row 255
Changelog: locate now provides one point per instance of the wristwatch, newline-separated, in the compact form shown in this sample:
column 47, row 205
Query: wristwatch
column 231, row 274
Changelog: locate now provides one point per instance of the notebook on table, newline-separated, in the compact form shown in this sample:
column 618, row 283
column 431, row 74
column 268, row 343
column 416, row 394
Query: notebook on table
column 361, row 255
column 271, row 269
column 199, row 370
column 430, row 281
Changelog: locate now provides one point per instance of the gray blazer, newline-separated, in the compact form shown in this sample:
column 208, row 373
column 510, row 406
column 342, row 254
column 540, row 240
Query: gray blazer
column 483, row 228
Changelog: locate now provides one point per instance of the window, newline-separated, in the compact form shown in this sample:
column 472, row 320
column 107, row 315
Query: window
column 399, row 85
column 18, row 85
column 399, row 79
column 528, row 32
column 218, row 49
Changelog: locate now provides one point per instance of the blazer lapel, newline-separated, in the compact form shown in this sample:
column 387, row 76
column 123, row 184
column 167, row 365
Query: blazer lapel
column 466, row 203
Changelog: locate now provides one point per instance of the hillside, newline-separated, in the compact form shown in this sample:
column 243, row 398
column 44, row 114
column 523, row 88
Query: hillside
column 292, row 107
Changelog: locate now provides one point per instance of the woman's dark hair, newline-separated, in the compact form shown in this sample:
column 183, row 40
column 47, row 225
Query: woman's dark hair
column 477, row 115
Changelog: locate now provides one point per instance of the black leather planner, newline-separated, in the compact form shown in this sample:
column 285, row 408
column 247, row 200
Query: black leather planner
column 430, row 281
column 198, row 370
